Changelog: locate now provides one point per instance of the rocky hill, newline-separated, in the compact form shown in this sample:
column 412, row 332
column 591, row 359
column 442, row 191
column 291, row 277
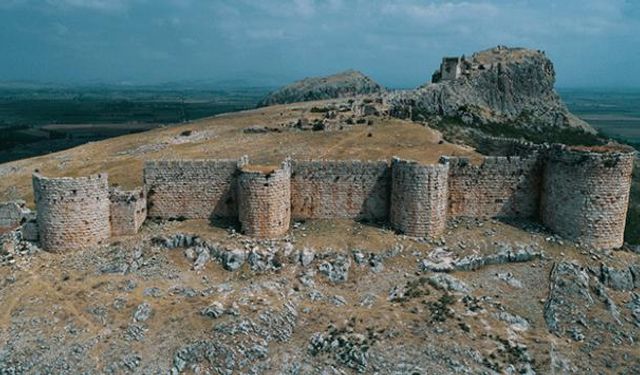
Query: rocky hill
column 331, row 298
column 508, row 86
column 188, row 296
column 344, row 84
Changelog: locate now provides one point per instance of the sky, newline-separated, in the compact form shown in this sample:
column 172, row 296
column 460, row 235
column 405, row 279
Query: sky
column 399, row 43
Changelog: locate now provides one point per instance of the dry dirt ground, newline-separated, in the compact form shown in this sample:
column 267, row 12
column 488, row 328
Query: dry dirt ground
column 332, row 297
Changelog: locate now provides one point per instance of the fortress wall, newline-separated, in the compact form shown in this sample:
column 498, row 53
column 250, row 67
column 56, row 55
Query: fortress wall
column 194, row 189
column 264, row 199
column 580, row 193
column 128, row 211
column 499, row 187
column 72, row 212
column 340, row 189
column 12, row 214
column 419, row 198
column 497, row 146
column 586, row 195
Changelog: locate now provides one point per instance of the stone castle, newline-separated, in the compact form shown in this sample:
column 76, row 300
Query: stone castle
column 450, row 69
column 578, row 192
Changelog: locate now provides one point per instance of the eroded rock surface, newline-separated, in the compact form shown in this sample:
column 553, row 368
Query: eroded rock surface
column 183, row 303
column 511, row 86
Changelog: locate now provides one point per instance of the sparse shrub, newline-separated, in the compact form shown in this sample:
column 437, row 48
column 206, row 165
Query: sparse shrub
column 320, row 109
column 440, row 310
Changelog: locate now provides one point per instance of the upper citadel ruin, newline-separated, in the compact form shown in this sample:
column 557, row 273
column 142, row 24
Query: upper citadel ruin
column 579, row 193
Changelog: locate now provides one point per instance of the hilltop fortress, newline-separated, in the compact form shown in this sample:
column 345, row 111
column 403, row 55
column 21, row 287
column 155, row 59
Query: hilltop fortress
column 578, row 192
column 581, row 193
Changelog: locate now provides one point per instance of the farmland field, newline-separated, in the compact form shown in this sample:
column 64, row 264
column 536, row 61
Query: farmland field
column 35, row 121
column 616, row 113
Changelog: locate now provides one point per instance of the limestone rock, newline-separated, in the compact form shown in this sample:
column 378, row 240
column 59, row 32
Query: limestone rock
column 634, row 306
column 635, row 272
column 569, row 298
column 447, row 282
column 264, row 260
column 306, row 256
column 511, row 86
column 516, row 322
column 215, row 310
column 202, row 257
column 336, row 268
column 233, row 259
column 143, row 312
column 617, row 279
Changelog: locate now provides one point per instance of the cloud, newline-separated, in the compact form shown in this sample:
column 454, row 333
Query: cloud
column 188, row 42
column 398, row 40
column 267, row 34
column 59, row 29
column 98, row 5
column 9, row 4
column 447, row 13
column 305, row 7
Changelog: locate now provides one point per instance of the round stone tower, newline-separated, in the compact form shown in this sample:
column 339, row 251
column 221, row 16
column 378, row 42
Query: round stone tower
column 585, row 193
column 264, row 200
column 419, row 196
column 72, row 212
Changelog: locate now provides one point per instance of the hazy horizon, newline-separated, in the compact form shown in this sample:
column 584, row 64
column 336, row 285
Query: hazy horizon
column 592, row 43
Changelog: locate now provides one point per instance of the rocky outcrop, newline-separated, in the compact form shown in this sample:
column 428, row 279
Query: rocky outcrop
column 504, row 254
column 345, row 84
column 501, row 85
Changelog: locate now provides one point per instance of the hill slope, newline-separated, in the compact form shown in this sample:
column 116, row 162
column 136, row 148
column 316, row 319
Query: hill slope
column 344, row 84
column 333, row 296
column 231, row 136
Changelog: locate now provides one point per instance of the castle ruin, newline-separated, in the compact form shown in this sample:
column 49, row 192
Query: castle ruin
column 72, row 212
column 450, row 69
column 578, row 192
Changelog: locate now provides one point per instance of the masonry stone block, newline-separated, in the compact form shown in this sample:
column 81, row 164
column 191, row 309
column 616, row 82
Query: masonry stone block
column 348, row 189
column 500, row 186
column 192, row 189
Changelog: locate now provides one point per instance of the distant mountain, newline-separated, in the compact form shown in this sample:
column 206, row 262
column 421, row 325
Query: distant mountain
column 344, row 84
column 264, row 83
